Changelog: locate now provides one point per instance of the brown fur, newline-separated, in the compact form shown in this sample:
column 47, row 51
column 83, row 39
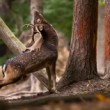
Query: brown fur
column 34, row 60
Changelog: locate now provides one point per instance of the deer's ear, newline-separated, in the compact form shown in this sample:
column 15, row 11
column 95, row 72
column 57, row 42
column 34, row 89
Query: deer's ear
column 38, row 15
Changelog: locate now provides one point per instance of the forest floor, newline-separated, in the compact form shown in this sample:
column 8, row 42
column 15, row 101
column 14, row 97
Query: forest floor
column 95, row 105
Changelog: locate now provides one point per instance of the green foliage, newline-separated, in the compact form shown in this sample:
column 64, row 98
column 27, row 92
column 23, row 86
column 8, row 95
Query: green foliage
column 18, row 16
column 15, row 19
column 4, row 58
column 102, row 3
column 59, row 13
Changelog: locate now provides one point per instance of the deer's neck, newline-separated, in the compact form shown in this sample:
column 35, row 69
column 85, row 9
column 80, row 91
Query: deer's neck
column 49, row 35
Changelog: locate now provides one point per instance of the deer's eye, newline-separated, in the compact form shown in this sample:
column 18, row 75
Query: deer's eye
column 38, row 20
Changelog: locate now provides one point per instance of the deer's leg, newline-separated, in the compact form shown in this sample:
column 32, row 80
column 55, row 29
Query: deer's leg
column 37, row 45
column 49, row 79
column 53, row 75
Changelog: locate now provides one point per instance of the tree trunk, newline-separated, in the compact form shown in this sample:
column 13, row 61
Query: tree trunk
column 82, row 59
column 5, row 6
column 36, row 5
column 40, row 5
column 107, row 40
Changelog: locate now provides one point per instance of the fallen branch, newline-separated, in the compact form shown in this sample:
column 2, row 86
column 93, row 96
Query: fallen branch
column 10, row 39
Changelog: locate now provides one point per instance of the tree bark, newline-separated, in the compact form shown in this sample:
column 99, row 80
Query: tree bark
column 5, row 6
column 82, row 59
column 39, row 5
column 35, row 5
column 107, row 41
